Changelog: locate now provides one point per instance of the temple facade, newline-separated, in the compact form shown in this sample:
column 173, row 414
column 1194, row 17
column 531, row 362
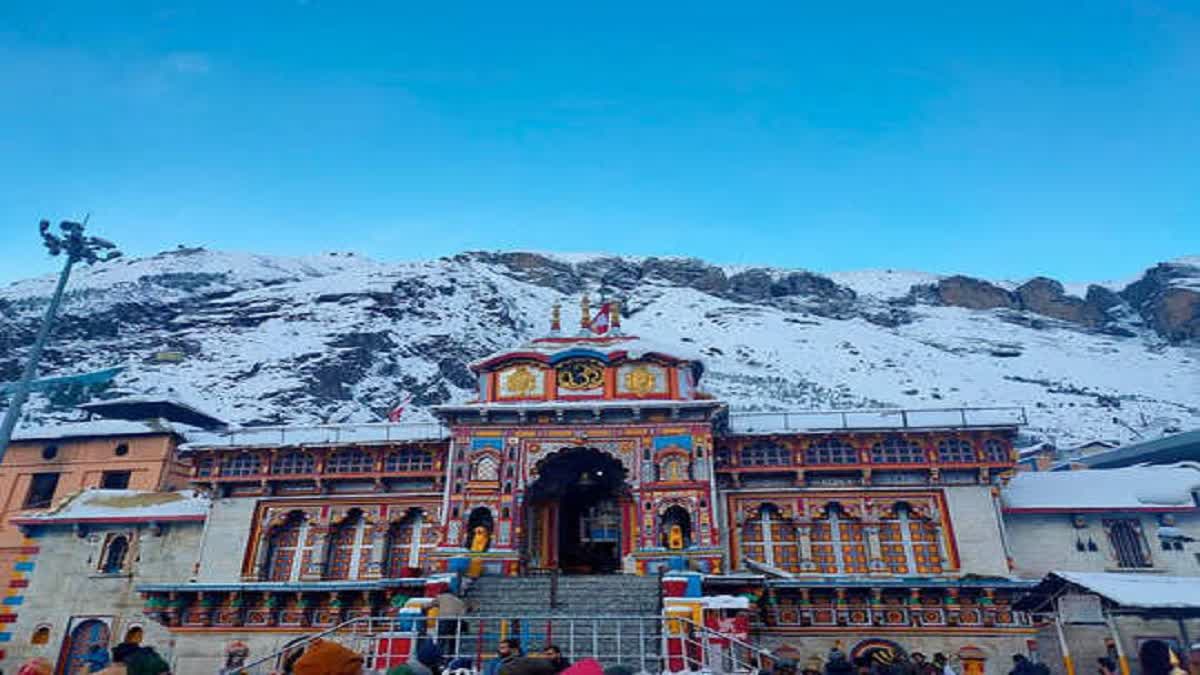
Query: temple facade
column 589, row 451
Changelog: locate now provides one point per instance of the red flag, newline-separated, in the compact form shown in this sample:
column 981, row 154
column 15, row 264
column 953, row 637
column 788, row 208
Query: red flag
column 599, row 323
column 396, row 413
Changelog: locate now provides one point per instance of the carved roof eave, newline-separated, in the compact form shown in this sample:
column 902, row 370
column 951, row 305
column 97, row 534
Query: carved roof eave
column 485, row 410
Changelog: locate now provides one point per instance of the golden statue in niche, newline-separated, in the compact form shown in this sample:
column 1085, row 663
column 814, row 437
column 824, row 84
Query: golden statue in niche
column 521, row 382
column 479, row 538
column 640, row 381
column 675, row 537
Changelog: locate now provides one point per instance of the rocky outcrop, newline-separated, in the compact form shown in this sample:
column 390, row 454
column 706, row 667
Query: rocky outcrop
column 1046, row 297
column 1168, row 299
column 962, row 291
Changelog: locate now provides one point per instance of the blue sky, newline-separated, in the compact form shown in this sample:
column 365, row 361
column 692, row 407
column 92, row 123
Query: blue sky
column 1005, row 141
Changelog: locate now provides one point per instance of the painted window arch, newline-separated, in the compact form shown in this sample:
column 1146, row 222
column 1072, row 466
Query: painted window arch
column 350, row 460
column 295, row 462
column 485, row 467
column 41, row 636
column 830, row 451
column 116, row 555
column 349, row 547
column 996, row 450
column 671, row 516
column 956, row 451
column 908, row 542
column 765, row 453
column 838, row 545
column 85, row 638
column 408, row 459
column 770, row 538
column 674, row 467
column 408, row 539
column 241, row 464
column 285, row 548
column 897, row 450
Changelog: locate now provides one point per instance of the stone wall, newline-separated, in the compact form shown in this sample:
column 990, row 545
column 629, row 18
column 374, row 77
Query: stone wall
column 1043, row 542
column 229, row 525
column 68, row 583
column 1090, row 642
column 998, row 649
column 976, row 522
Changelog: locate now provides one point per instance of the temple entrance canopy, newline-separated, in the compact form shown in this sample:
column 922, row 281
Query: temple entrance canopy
column 577, row 505
column 592, row 452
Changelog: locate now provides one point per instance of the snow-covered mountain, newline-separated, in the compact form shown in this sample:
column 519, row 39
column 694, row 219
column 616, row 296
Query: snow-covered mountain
column 338, row 337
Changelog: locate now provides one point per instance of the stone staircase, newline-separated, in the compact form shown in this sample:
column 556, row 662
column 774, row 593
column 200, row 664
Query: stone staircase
column 613, row 618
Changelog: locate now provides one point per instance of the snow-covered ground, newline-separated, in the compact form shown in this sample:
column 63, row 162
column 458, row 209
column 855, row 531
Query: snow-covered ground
column 335, row 338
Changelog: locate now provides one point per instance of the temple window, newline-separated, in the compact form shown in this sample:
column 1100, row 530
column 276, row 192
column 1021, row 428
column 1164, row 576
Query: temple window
column 674, row 468
column 115, row 554
column 995, row 450
column 838, row 544
column 956, row 451
column 1128, row 543
column 41, row 490
column 204, row 467
column 770, row 538
column 115, row 480
column 897, row 450
column 408, row 459
column 347, row 541
column 908, row 543
column 765, row 453
column 352, row 460
column 294, row 463
column 831, row 451
column 485, row 468
column 241, row 464
column 405, row 539
column 285, row 547
column 41, row 636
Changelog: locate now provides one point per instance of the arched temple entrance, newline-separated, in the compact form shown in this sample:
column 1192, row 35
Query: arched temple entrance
column 577, row 510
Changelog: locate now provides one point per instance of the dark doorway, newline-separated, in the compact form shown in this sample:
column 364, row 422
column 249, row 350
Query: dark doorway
column 576, row 506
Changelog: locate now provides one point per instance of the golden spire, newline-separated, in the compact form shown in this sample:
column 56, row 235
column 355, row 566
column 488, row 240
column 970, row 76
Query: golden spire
column 614, row 316
column 585, row 307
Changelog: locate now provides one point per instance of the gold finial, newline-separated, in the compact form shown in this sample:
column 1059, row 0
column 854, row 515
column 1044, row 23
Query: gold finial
column 614, row 315
column 585, row 306
column 555, row 318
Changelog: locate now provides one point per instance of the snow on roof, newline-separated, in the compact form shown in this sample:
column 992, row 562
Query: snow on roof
column 1149, row 591
column 553, row 347
column 888, row 418
column 96, row 506
column 95, row 428
column 1145, row 488
column 324, row 434
column 169, row 407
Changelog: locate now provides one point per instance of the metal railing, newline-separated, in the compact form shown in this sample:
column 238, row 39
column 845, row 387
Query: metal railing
column 318, row 434
column 885, row 418
column 647, row 644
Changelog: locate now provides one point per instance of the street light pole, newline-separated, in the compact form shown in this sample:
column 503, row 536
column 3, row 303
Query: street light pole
column 78, row 248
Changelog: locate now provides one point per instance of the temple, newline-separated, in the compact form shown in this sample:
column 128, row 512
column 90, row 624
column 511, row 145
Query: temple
column 590, row 452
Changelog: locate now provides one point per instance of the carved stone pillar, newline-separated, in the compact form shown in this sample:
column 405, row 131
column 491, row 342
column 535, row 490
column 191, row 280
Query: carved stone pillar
column 379, row 549
column 874, row 549
column 318, row 536
column 804, row 542
column 941, row 546
column 260, row 571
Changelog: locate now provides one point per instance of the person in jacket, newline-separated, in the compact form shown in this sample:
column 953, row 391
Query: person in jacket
column 323, row 657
